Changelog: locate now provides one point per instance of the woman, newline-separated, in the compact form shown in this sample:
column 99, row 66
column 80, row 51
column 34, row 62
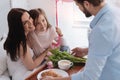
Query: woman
column 20, row 56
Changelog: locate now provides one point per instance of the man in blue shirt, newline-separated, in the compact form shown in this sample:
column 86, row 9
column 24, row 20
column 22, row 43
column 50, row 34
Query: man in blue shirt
column 104, row 43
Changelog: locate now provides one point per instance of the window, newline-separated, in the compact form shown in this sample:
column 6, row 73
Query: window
column 73, row 24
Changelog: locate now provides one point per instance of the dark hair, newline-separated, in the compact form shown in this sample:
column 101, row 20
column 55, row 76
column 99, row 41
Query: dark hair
column 16, row 35
column 94, row 2
column 34, row 13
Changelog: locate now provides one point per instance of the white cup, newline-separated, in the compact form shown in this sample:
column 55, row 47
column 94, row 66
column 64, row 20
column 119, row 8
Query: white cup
column 64, row 64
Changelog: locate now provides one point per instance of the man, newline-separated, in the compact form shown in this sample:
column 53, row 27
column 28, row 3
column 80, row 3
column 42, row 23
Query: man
column 104, row 43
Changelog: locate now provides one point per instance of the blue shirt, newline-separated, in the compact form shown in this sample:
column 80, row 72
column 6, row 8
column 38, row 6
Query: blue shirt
column 103, row 61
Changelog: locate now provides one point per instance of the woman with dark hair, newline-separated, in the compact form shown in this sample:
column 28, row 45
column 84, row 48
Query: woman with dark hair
column 20, row 56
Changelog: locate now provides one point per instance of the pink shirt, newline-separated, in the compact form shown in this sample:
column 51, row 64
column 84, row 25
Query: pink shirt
column 41, row 41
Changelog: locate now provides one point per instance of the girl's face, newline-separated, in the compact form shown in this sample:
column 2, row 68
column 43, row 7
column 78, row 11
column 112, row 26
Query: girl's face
column 41, row 24
column 27, row 22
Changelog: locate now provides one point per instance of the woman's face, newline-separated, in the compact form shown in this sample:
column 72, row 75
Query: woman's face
column 27, row 22
column 41, row 24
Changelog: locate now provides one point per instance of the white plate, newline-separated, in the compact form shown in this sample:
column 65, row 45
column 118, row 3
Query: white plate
column 58, row 71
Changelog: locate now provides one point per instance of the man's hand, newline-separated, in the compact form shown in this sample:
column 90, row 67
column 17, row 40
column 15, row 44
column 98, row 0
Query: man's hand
column 79, row 52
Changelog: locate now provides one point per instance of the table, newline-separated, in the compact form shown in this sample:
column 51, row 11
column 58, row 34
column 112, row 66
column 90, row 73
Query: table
column 72, row 70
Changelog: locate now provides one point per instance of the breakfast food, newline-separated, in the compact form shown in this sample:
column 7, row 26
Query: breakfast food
column 50, row 73
column 65, row 62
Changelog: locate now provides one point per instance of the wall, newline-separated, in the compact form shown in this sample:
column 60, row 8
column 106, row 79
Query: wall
column 19, row 4
column 4, row 8
column 114, row 2
column 47, row 5
column 73, row 24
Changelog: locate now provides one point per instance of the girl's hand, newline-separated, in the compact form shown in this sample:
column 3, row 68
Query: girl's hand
column 59, row 32
column 50, row 64
column 49, row 53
